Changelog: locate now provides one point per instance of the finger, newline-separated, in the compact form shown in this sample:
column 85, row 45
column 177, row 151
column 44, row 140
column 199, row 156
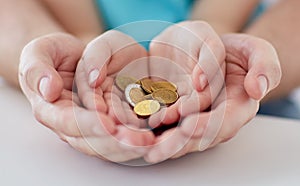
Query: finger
column 166, row 146
column 42, row 58
column 182, row 107
column 73, row 121
column 264, row 72
column 202, row 56
column 91, row 98
column 115, row 108
column 126, row 145
column 238, row 115
column 104, row 148
column 204, row 126
column 167, row 115
column 195, row 124
column 98, row 58
column 200, row 101
column 135, row 137
column 191, row 146
column 222, row 123
column 132, row 118
column 81, row 145
column 103, row 57
column 210, row 62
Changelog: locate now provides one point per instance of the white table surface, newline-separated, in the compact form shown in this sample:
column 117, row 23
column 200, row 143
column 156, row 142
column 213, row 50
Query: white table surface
column 265, row 152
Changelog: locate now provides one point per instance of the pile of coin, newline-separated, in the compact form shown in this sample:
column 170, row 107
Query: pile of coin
column 147, row 96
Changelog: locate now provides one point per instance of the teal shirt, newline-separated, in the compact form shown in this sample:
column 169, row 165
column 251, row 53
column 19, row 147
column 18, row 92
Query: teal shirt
column 119, row 12
column 143, row 19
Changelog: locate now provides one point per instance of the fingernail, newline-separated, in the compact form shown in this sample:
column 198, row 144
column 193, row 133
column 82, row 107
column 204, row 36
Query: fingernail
column 203, row 81
column 43, row 86
column 93, row 76
column 263, row 84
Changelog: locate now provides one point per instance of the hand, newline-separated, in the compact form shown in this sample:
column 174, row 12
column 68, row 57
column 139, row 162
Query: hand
column 46, row 75
column 252, row 70
column 102, row 60
column 191, row 55
column 114, row 53
column 47, row 71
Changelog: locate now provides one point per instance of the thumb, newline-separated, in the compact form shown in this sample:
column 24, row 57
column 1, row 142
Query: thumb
column 262, row 63
column 264, row 71
column 41, row 60
column 38, row 78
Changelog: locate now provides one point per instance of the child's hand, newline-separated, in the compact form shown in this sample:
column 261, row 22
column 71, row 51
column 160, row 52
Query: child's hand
column 252, row 70
column 191, row 55
column 101, row 62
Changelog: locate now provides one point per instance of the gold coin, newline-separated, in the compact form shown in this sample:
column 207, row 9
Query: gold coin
column 123, row 81
column 163, row 85
column 148, row 96
column 137, row 95
column 146, row 84
column 138, row 82
column 147, row 107
column 165, row 96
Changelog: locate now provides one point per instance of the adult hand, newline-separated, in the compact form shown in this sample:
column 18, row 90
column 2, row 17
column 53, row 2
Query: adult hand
column 46, row 75
column 47, row 71
column 252, row 70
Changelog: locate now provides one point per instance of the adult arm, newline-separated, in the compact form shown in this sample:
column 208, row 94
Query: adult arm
column 280, row 26
column 224, row 16
column 22, row 21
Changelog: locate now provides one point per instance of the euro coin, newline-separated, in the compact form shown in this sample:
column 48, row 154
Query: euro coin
column 163, row 85
column 138, row 82
column 146, row 84
column 147, row 107
column 123, row 81
column 133, row 92
column 165, row 96
column 137, row 95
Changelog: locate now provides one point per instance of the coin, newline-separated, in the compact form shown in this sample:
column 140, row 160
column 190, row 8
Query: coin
column 131, row 90
column 148, row 96
column 137, row 95
column 146, row 84
column 138, row 82
column 123, row 81
column 147, row 107
column 165, row 96
column 163, row 85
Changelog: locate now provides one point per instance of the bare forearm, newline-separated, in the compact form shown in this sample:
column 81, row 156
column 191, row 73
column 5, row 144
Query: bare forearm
column 21, row 21
column 281, row 26
column 224, row 16
column 80, row 18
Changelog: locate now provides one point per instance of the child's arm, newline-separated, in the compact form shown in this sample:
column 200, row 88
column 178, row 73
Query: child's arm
column 224, row 16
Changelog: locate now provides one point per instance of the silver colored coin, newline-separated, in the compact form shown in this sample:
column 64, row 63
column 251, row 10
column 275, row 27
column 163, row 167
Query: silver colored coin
column 127, row 93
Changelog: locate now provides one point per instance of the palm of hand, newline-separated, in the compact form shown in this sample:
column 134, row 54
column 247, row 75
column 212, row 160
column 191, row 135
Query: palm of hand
column 117, row 56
